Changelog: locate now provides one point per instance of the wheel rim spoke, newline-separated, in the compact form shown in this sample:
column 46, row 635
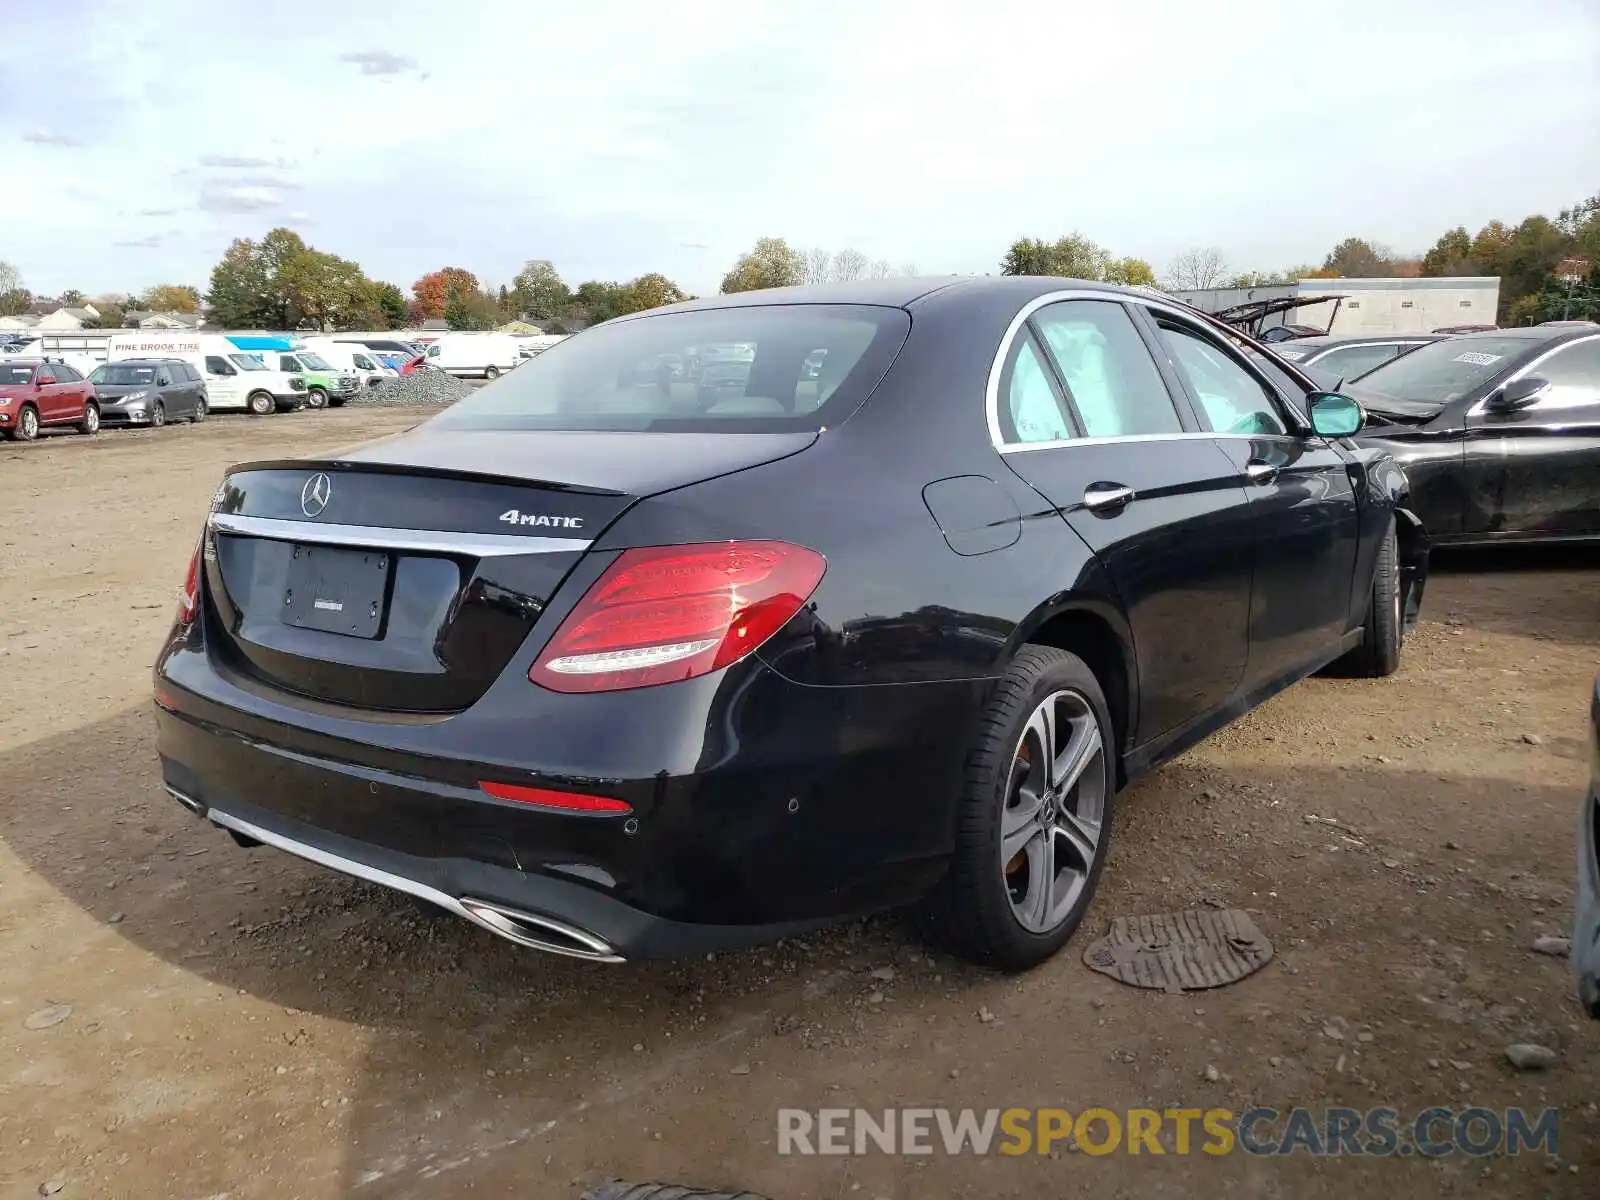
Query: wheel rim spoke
column 1082, row 749
column 1038, row 902
column 1082, row 835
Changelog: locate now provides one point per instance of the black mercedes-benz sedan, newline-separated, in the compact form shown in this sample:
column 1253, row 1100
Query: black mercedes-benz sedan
column 1499, row 432
column 618, row 662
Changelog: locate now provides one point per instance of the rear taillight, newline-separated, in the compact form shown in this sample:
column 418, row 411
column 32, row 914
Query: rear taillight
column 189, row 599
column 664, row 613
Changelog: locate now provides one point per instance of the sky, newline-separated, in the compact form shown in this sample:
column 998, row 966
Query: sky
column 618, row 137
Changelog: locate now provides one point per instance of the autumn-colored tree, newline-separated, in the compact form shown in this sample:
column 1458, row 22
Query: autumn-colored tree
column 171, row 297
column 770, row 263
column 432, row 292
column 652, row 291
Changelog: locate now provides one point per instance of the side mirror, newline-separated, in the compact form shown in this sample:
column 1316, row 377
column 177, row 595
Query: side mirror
column 1519, row 393
column 1334, row 415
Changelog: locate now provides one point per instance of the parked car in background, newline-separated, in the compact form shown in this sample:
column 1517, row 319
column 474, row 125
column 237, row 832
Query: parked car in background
column 1450, row 330
column 234, row 379
column 1586, row 931
column 351, row 359
column 1289, row 332
column 1350, row 356
column 1499, row 432
column 36, row 394
column 477, row 355
column 149, row 391
column 855, row 669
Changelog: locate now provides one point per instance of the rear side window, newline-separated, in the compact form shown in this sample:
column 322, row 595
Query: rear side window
column 1035, row 413
column 763, row 368
column 1112, row 381
column 1233, row 400
column 66, row 374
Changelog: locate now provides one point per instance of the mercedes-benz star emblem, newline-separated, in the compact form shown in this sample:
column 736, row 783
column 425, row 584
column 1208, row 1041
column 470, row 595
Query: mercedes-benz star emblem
column 314, row 496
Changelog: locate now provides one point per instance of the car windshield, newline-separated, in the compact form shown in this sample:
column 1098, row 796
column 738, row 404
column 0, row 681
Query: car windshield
column 315, row 362
column 12, row 376
column 247, row 362
column 1445, row 371
column 723, row 370
column 119, row 373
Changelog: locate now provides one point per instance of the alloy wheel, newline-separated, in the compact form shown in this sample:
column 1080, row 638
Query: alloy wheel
column 91, row 419
column 28, row 424
column 1055, row 807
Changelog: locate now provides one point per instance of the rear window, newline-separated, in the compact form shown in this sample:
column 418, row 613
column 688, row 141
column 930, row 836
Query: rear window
column 1446, row 371
column 769, row 368
column 13, row 376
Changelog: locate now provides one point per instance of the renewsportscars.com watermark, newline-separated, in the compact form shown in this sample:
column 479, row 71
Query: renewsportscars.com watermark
column 1375, row 1132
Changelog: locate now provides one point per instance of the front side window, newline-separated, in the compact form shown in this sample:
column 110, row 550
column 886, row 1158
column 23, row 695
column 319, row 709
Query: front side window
column 217, row 365
column 362, row 362
column 1576, row 366
column 1031, row 402
column 288, row 362
column 122, row 374
column 433, row 350
column 315, row 362
column 741, row 369
column 1233, row 400
column 45, row 375
column 1111, row 379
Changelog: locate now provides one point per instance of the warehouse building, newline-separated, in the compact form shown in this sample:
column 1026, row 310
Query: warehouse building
column 1352, row 306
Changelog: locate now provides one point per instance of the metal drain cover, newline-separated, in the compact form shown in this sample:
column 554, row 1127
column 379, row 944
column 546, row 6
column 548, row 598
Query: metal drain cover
column 1181, row 952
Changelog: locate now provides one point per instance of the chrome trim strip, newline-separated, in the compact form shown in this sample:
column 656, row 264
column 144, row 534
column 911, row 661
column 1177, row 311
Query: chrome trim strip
column 603, row 952
column 427, row 541
column 1478, row 409
column 1065, row 443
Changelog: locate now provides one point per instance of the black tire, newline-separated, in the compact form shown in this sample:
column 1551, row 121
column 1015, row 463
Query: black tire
column 336, row 401
column 316, row 398
column 27, row 424
column 260, row 403
column 1379, row 652
column 974, row 910
column 201, row 408
column 91, row 419
column 158, row 415
column 491, row 372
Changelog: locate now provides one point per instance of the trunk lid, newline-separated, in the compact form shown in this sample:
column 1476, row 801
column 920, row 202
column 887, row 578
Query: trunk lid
column 404, row 574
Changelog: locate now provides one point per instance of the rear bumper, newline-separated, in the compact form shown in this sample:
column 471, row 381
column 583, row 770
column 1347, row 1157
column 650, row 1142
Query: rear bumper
column 760, row 807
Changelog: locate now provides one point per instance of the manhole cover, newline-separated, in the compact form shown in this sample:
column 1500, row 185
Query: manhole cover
column 1181, row 952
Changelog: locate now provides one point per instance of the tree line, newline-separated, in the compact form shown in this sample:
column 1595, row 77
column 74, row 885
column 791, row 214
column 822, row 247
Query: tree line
column 1549, row 268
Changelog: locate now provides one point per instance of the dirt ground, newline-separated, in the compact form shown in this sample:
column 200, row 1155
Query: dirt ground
column 245, row 1025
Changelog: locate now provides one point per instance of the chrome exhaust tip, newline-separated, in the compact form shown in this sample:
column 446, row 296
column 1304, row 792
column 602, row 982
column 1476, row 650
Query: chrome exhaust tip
column 187, row 801
column 538, row 932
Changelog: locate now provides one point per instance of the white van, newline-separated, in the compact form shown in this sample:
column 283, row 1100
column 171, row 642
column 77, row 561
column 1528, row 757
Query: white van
column 482, row 355
column 234, row 379
column 351, row 358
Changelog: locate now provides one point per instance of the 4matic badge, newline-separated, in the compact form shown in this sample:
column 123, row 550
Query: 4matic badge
column 512, row 517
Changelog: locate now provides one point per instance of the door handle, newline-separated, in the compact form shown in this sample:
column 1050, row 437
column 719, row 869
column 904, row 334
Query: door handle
column 1259, row 472
column 1101, row 497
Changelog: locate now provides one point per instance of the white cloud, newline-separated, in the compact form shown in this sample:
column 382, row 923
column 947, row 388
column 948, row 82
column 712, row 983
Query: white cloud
column 617, row 137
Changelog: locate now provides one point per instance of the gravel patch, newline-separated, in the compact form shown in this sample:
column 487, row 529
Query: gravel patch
column 417, row 388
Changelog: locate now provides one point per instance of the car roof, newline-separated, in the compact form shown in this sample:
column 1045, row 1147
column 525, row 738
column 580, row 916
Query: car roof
column 1531, row 333
column 10, row 361
column 1325, row 340
column 898, row 293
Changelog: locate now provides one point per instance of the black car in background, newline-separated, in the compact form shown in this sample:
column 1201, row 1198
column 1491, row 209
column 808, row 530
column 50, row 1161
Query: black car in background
column 149, row 391
column 1499, row 432
column 1288, row 333
column 1349, row 356
column 614, row 667
column 1586, row 932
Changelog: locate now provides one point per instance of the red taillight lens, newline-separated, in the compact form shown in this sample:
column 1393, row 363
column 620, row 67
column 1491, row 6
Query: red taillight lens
column 665, row 613
column 189, row 600
column 549, row 798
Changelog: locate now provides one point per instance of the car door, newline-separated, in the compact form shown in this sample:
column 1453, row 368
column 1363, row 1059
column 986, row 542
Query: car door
column 222, row 383
column 1547, row 481
column 1087, row 417
column 48, row 394
column 1304, row 516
